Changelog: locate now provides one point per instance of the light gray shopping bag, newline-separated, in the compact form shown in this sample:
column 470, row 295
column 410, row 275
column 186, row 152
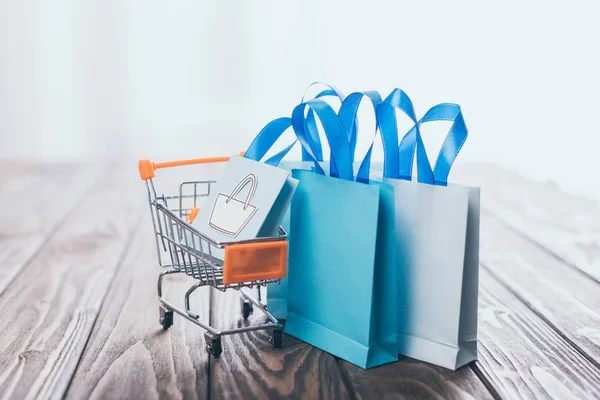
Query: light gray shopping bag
column 437, row 232
column 437, row 236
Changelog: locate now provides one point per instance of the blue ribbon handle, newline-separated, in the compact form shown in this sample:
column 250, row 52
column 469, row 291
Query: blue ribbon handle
column 341, row 131
column 335, row 133
column 266, row 138
column 310, row 122
column 348, row 111
column 455, row 139
column 395, row 165
column 348, row 118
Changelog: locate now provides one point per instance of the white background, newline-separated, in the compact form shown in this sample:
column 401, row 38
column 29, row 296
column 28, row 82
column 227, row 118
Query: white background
column 119, row 79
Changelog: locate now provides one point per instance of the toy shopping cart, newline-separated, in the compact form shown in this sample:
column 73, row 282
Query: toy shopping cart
column 182, row 248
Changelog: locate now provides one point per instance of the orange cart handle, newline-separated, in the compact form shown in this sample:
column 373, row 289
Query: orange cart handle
column 147, row 167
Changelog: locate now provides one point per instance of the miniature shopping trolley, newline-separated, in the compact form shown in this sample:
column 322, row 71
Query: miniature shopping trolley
column 182, row 248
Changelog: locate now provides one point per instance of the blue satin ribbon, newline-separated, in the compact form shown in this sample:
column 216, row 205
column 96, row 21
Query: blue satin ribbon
column 267, row 137
column 341, row 159
column 341, row 133
column 455, row 139
column 311, row 124
column 396, row 167
column 348, row 117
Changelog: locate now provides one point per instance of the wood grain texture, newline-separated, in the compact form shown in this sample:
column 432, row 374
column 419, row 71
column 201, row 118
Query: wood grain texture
column 566, row 226
column 35, row 201
column 250, row 368
column 81, row 310
column 411, row 379
column 522, row 357
column 50, row 308
column 129, row 355
column 568, row 300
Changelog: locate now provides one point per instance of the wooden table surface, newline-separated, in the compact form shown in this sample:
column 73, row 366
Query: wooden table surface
column 80, row 311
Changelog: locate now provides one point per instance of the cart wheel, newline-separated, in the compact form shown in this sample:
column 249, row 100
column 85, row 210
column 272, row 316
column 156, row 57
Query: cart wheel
column 277, row 338
column 166, row 317
column 213, row 345
column 246, row 308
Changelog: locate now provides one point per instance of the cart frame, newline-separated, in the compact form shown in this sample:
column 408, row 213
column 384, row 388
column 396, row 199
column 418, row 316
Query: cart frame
column 181, row 248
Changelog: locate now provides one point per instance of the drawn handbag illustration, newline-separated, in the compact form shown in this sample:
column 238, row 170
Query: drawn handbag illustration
column 230, row 215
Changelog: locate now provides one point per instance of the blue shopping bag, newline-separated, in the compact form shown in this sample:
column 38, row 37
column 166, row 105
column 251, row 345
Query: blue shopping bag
column 342, row 269
column 342, row 293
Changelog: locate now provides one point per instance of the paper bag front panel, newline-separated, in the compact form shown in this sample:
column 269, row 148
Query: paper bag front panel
column 331, row 300
column 431, row 229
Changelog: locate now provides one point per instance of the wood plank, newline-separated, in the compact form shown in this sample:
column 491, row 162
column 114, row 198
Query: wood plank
column 414, row 379
column 565, row 225
column 127, row 335
column 522, row 357
column 35, row 202
column 50, row 308
column 562, row 296
column 127, row 339
column 250, row 368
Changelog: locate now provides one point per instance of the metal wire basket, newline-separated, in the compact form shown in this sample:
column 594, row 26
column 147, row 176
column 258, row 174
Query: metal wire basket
column 182, row 248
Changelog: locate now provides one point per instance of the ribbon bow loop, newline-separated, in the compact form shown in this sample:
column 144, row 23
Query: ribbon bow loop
column 341, row 159
column 455, row 139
